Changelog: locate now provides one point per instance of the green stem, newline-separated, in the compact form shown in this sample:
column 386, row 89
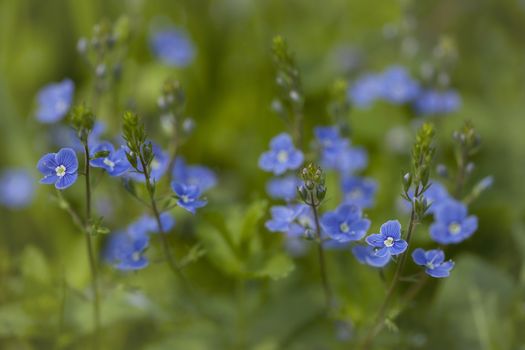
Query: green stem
column 322, row 264
column 90, row 249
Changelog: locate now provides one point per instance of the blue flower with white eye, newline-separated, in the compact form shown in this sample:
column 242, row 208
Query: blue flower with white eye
column 282, row 155
column 125, row 251
column 54, row 101
column 188, row 196
column 388, row 241
column 59, row 168
column 366, row 90
column 292, row 220
column 283, row 187
column 196, row 175
column 367, row 255
column 173, row 47
column 147, row 224
column 451, row 223
column 345, row 224
column 433, row 261
column 397, row 86
column 16, row 188
column 359, row 191
column 434, row 102
column 159, row 165
column 115, row 164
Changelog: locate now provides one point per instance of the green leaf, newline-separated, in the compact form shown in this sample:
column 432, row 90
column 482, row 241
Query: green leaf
column 279, row 266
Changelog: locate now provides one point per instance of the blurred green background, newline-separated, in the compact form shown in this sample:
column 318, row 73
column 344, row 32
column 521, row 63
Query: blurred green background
column 229, row 86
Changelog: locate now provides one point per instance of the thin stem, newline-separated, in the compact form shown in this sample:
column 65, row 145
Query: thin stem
column 173, row 156
column 379, row 320
column 460, row 178
column 320, row 251
column 91, row 251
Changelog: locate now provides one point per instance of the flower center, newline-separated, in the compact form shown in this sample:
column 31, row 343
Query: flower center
column 135, row 256
column 388, row 242
column 454, row 228
column 356, row 193
column 185, row 198
column 282, row 156
column 109, row 163
column 430, row 265
column 61, row 106
column 60, row 170
column 344, row 227
column 155, row 164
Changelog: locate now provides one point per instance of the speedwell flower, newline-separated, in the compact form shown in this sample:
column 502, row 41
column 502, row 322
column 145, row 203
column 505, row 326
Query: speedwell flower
column 126, row 251
column 282, row 155
column 283, row 187
column 388, row 240
column 292, row 220
column 59, row 168
column 345, row 224
column 197, row 175
column 115, row 163
column 366, row 254
column 188, row 196
column 159, row 165
column 173, row 47
column 433, row 261
column 452, row 225
column 16, row 188
column 54, row 101
column 359, row 191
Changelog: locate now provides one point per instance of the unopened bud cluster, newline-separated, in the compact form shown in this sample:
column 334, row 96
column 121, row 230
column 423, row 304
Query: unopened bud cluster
column 313, row 189
column 82, row 120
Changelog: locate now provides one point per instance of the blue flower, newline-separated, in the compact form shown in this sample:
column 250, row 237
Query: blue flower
column 54, row 101
column 452, row 225
column 388, row 240
column 434, row 262
column 188, row 196
column 435, row 195
column 433, row 102
column 366, row 90
column 173, row 47
column 282, row 155
column 116, row 163
column 336, row 152
column 292, row 220
column 159, row 165
column 59, row 168
column 16, row 188
column 283, row 188
column 366, row 254
column 345, row 224
column 359, row 191
column 125, row 251
column 197, row 175
column 147, row 224
column 397, row 86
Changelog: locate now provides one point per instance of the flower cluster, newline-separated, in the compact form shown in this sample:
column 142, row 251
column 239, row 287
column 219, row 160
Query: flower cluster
column 396, row 86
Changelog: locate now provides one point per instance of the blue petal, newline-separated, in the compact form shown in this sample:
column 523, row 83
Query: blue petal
column 399, row 247
column 391, row 228
column 435, row 256
column 49, row 179
column 376, row 240
column 281, row 141
column 47, row 164
column 68, row 158
column 66, row 181
column 419, row 257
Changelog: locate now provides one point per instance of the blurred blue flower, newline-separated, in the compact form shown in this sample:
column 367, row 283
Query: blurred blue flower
column 197, row 175
column 282, row 155
column 345, row 224
column 125, row 251
column 17, row 188
column 397, row 86
column 434, row 102
column 188, row 196
column 388, row 240
column 434, row 262
column 147, row 224
column 452, row 225
column 336, row 152
column 173, row 47
column 367, row 255
column 159, row 165
column 66, row 136
column 359, row 191
column 59, row 168
column 292, row 220
column 366, row 90
column 435, row 195
column 54, row 101
column 115, row 164
column 283, row 187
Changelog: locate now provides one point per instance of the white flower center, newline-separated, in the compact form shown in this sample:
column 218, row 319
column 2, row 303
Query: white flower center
column 185, row 198
column 109, row 163
column 454, row 228
column 344, row 227
column 60, row 170
column 61, row 106
column 430, row 265
column 282, row 156
column 388, row 242
column 155, row 164
column 356, row 193
column 135, row 256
